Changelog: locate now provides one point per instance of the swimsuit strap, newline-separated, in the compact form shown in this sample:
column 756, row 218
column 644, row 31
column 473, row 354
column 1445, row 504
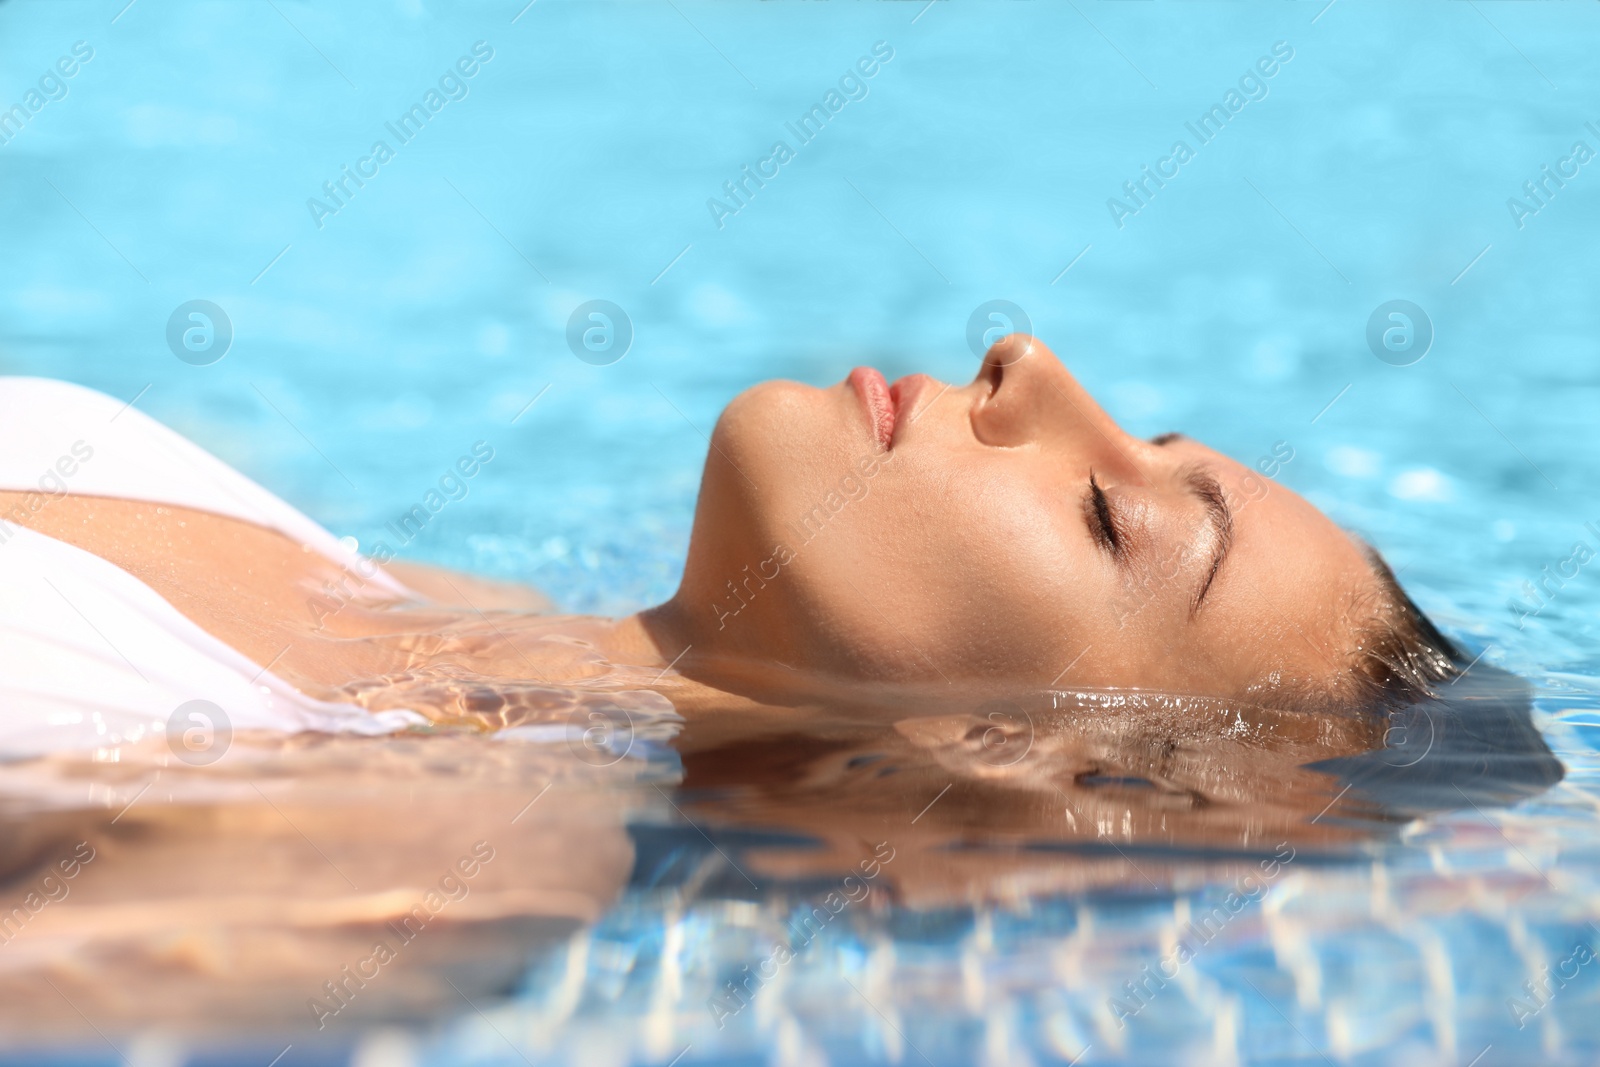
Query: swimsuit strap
column 57, row 437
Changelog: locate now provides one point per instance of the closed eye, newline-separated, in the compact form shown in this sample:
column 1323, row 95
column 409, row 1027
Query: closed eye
column 1102, row 524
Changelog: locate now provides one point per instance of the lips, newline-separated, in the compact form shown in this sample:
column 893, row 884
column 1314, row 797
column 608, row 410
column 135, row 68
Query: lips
column 908, row 395
column 882, row 411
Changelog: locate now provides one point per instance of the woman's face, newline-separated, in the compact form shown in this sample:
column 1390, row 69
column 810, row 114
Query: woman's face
column 1006, row 529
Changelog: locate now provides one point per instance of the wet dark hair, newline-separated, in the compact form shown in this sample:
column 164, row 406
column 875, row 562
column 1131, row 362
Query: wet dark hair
column 1458, row 732
column 1401, row 657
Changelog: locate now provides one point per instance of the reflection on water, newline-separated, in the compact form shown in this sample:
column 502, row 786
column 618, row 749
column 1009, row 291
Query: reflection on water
column 303, row 889
column 257, row 892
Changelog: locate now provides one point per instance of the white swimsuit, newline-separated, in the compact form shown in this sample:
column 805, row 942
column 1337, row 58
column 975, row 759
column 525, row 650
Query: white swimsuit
column 92, row 657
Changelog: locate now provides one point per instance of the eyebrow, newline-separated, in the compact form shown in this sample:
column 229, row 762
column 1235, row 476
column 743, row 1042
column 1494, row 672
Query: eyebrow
column 1204, row 485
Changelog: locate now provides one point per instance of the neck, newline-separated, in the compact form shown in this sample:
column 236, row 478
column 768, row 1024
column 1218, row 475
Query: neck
column 651, row 638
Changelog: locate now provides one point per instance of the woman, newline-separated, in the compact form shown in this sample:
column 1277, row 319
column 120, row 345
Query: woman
column 1006, row 531
column 903, row 647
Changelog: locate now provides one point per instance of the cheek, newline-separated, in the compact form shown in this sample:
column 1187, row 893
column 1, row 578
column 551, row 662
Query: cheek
column 761, row 460
column 950, row 572
column 1022, row 585
column 993, row 540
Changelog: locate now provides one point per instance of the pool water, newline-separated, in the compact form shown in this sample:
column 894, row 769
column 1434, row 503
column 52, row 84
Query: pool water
column 1394, row 153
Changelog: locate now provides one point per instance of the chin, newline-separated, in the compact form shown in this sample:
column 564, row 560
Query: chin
column 775, row 443
column 776, row 410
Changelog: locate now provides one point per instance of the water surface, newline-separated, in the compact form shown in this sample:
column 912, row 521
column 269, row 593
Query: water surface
column 431, row 309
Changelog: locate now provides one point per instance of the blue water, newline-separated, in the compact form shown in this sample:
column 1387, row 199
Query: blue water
column 368, row 352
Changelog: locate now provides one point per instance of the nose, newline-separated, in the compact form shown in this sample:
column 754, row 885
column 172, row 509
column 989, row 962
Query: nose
column 1027, row 396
